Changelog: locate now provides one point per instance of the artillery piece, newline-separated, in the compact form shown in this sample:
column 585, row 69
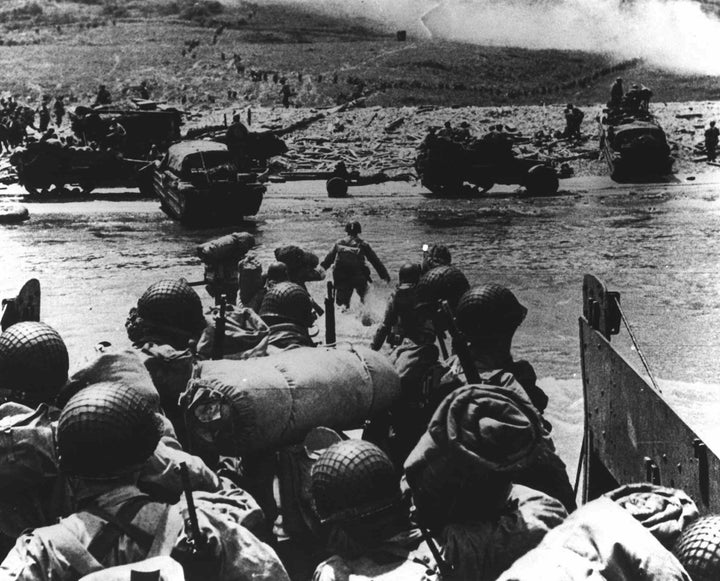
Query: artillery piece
column 446, row 164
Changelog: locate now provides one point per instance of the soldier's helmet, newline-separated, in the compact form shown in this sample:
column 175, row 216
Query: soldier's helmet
column 439, row 254
column 698, row 548
column 351, row 480
column 105, row 430
column 489, row 309
column 353, row 228
column 441, row 283
column 409, row 273
column 173, row 303
column 33, row 360
column 287, row 302
column 277, row 272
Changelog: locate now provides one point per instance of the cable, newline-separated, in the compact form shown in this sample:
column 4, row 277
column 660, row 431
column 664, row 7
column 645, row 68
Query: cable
column 637, row 347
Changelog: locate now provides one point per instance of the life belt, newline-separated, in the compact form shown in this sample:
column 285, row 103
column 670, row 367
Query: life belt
column 13, row 213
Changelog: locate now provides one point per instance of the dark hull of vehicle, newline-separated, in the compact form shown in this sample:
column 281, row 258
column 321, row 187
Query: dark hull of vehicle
column 216, row 206
column 446, row 168
column 640, row 162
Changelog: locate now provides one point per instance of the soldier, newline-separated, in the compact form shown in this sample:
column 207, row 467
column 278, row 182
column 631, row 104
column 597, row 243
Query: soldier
column 33, row 374
column 164, row 327
column 711, row 141
column 236, row 137
column 488, row 317
column 103, row 96
column 59, row 109
column 288, row 310
column 143, row 90
column 105, row 434
column 286, row 92
column 573, row 121
column 276, row 272
column 33, row 368
column 302, row 265
column 44, row 117
column 356, row 493
column 436, row 255
column 478, row 439
column 400, row 319
column 616, row 94
column 349, row 269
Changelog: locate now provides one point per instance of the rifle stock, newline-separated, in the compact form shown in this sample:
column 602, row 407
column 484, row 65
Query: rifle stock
column 460, row 346
column 330, row 337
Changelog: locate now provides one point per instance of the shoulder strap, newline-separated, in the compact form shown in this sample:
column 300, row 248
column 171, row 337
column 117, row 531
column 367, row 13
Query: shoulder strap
column 77, row 556
column 168, row 529
column 117, row 525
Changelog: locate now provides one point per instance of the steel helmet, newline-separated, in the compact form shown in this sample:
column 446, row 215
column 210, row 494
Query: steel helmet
column 173, row 303
column 106, row 429
column 277, row 272
column 287, row 302
column 442, row 283
column 353, row 479
column 698, row 548
column 489, row 309
column 409, row 273
column 33, row 358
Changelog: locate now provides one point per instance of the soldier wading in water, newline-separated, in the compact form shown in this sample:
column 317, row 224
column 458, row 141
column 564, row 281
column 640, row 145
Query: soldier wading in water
column 350, row 272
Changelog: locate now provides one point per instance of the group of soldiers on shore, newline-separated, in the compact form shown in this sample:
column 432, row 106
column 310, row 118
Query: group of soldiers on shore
column 458, row 479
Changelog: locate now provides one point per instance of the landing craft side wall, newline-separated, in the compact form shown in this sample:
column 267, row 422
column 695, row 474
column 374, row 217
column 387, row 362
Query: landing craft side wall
column 635, row 434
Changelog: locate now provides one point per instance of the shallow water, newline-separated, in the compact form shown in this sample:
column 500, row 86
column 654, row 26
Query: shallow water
column 657, row 245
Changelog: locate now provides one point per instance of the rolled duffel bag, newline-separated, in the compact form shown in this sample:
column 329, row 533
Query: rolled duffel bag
column 231, row 247
column 243, row 407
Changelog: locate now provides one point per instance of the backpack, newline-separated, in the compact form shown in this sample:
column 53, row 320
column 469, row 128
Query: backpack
column 349, row 257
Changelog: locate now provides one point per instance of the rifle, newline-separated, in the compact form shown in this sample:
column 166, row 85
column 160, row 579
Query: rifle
column 219, row 338
column 197, row 540
column 460, row 346
column 446, row 570
column 330, row 337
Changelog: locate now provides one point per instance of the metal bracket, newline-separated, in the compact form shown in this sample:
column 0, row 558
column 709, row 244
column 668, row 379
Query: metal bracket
column 600, row 306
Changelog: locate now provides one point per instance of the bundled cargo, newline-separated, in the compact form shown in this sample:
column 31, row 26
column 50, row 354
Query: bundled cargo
column 244, row 407
column 230, row 247
column 221, row 257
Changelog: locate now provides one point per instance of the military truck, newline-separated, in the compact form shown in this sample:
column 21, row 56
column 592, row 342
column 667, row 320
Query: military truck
column 47, row 167
column 143, row 129
column 450, row 167
column 199, row 183
column 635, row 148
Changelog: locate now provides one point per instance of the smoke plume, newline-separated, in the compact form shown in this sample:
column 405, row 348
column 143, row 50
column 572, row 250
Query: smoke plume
column 677, row 35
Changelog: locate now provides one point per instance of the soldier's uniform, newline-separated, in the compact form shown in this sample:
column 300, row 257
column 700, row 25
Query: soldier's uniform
column 105, row 433
column 350, row 273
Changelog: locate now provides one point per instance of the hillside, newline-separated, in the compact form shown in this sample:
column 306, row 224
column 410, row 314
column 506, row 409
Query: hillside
column 208, row 54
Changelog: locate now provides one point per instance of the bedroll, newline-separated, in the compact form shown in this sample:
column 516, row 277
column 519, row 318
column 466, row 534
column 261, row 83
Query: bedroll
column 244, row 407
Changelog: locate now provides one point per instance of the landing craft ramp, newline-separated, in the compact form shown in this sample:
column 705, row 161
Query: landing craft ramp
column 632, row 434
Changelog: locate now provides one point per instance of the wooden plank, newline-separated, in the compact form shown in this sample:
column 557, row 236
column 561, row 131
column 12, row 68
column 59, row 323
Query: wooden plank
column 635, row 433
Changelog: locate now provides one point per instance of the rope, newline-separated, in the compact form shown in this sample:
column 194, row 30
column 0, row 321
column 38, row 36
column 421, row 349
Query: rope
column 637, row 347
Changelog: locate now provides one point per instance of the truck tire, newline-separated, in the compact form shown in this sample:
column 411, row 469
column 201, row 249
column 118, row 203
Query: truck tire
column 336, row 187
column 541, row 180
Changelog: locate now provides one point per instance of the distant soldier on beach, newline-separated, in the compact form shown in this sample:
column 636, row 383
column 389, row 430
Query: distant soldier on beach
column 711, row 141
column 286, row 92
column 573, row 120
column 44, row 115
column 103, row 96
column 59, row 110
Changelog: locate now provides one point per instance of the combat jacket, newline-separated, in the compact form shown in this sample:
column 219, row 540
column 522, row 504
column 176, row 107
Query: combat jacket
column 405, row 556
column 124, row 526
column 356, row 265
